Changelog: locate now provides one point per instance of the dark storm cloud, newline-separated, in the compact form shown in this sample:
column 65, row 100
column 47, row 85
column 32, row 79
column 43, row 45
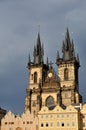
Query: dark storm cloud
column 19, row 20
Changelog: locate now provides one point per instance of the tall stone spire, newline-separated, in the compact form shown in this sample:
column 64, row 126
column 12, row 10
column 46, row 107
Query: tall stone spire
column 38, row 51
column 68, row 47
column 58, row 55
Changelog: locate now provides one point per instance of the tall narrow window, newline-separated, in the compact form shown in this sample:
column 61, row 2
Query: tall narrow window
column 62, row 124
column 46, row 124
column 51, row 124
column 42, row 124
column 58, row 124
column 73, row 124
column 66, row 74
column 35, row 77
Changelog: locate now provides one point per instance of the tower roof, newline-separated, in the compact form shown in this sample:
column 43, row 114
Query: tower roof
column 38, row 51
column 38, row 44
column 68, row 51
column 68, row 47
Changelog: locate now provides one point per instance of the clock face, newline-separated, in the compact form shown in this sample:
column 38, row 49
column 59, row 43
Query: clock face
column 50, row 75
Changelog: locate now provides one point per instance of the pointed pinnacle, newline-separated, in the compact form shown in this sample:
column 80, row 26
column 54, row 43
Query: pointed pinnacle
column 42, row 49
column 38, row 40
column 67, row 38
column 47, row 61
column 78, row 57
column 57, row 55
column 29, row 61
column 63, row 46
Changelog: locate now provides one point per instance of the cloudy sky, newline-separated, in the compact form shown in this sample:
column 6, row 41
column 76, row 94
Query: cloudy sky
column 19, row 20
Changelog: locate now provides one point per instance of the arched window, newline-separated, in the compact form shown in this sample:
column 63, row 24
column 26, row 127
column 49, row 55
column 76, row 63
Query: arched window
column 35, row 77
column 66, row 74
column 50, row 103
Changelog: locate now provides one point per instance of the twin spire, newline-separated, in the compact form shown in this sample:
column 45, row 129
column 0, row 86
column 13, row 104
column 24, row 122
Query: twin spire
column 67, row 50
column 38, row 53
column 68, row 47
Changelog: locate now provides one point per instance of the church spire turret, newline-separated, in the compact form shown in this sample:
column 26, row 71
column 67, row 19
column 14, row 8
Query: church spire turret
column 38, row 51
column 47, row 62
column 68, row 67
column 58, row 55
column 68, row 47
column 29, row 61
column 37, row 73
column 78, row 59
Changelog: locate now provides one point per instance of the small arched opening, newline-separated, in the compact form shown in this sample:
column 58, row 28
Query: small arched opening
column 65, row 74
column 35, row 77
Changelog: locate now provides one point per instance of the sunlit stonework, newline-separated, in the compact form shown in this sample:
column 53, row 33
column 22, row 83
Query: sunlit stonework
column 52, row 100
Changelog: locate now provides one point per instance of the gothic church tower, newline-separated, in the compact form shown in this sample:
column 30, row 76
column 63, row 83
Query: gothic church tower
column 46, row 88
column 37, row 72
column 68, row 72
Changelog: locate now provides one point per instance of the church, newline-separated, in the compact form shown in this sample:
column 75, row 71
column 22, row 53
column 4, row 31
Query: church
column 52, row 100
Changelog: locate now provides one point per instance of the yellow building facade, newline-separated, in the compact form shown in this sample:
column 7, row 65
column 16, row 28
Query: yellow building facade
column 58, row 118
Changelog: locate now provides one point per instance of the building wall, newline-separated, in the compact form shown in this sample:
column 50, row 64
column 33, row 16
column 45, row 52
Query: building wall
column 72, row 117
column 83, row 117
column 31, row 78
column 58, row 118
column 71, row 74
column 26, row 121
